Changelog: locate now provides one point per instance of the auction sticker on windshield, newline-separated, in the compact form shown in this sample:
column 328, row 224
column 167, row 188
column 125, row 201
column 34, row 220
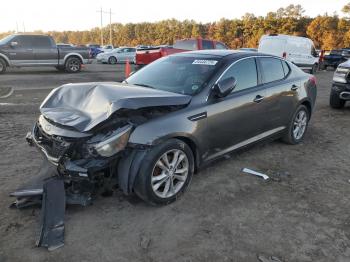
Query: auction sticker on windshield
column 204, row 62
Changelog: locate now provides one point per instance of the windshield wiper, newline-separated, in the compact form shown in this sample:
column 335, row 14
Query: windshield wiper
column 144, row 85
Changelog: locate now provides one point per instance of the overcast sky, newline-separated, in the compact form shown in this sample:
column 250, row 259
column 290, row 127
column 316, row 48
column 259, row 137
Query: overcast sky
column 82, row 14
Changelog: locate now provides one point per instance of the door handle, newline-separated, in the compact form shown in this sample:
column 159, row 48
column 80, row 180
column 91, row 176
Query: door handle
column 29, row 49
column 258, row 99
column 294, row 87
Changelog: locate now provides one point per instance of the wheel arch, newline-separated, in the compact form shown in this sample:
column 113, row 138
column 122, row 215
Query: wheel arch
column 67, row 56
column 5, row 58
column 307, row 104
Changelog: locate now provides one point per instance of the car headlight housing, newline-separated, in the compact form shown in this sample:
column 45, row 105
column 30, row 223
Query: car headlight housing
column 113, row 143
column 341, row 75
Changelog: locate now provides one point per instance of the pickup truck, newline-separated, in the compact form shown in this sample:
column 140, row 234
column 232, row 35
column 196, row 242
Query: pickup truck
column 146, row 56
column 334, row 58
column 22, row 50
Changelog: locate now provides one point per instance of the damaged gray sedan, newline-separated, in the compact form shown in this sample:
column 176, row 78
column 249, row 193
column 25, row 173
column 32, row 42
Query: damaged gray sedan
column 150, row 133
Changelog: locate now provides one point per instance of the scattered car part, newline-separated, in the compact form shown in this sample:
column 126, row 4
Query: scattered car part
column 52, row 214
column 255, row 173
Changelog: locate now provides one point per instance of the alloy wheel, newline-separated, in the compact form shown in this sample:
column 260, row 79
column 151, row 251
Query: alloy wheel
column 299, row 125
column 170, row 173
column 74, row 65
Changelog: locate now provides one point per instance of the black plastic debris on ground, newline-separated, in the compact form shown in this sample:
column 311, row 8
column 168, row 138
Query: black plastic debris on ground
column 52, row 214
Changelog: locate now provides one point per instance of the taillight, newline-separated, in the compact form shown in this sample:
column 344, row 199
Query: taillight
column 312, row 79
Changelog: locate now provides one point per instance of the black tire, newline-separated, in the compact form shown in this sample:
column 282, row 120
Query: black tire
column 112, row 60
column 289, row 137
column 335, row 101
column 314, row 69
column 3, row 66
column 72, row 65
column 143, row 184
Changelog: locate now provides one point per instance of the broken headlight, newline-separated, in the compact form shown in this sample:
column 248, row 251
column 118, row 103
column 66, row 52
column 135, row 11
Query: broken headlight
column 341, row 75
column 113, row 143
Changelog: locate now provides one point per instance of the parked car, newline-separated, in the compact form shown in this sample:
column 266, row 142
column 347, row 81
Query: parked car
column 334, row 58
column 107, row 48
column 118, row 55
column 167, row 120
column 95, row 49
column 298, row 50
column 22, row 50
column 340, row 92
column 145, row 56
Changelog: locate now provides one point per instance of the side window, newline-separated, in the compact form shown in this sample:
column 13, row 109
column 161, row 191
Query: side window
column 245, row 74
column 206, row 44
column 23, row 41
column 189, row 44
column 272, row 69
column 220, row 46
column 41, row 42
column 286, row 68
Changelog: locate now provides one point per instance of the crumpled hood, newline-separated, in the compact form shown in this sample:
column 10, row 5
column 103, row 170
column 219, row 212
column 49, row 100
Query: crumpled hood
column 85, row 105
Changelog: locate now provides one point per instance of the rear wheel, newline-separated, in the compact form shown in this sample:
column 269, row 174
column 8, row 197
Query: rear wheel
column 297, row 127
column 73, row 65
column 165, row 173
column 112, row 60
column 335, row 101
column 314, row 69
column 2, row 66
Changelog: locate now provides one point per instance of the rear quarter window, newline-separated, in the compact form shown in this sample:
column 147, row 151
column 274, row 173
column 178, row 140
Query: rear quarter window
column 272, row 69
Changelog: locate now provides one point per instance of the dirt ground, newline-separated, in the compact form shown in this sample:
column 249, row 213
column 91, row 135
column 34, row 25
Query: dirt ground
column 303, row 214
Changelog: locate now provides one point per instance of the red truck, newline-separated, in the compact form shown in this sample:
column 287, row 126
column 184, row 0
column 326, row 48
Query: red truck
column 148, row 55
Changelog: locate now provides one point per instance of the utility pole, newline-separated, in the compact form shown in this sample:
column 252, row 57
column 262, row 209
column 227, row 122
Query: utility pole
column 110, row 24
column 16, row 26
column 101, row 29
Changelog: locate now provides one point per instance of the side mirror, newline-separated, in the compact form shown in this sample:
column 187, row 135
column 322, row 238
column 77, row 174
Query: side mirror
column 13, row 44
column 225, row 87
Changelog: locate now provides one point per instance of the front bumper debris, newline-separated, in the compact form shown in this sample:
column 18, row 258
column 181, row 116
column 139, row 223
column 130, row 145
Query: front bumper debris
column 52, row 214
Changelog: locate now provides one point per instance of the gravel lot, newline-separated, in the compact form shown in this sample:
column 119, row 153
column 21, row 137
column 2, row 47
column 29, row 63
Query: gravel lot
column 300, row 215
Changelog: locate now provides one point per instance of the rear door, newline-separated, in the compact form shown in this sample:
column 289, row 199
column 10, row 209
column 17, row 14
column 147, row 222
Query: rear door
column 280, row 92
column 237, row 119
column 21, row 54
column 130, row 54
column 45, row 50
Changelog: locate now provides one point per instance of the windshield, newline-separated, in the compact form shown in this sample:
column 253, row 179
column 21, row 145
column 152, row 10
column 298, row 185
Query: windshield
column 6, row 39
column 183, row 75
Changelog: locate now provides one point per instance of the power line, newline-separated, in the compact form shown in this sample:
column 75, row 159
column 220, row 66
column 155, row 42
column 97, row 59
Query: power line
column 101, row 11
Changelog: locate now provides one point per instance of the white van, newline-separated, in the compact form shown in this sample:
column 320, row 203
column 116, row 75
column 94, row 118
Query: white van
column 298, row 50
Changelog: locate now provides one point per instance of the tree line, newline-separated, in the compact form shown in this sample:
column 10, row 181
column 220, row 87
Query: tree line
column 327, row 31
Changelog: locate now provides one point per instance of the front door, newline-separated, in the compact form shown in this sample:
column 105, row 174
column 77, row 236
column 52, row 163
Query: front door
column 22, row 54
column 237, row 119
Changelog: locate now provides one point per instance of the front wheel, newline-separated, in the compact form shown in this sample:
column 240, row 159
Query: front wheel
column 2, row 66
column 165, row 173
column 112, row 60
column 73, row 65
column 297, row 127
